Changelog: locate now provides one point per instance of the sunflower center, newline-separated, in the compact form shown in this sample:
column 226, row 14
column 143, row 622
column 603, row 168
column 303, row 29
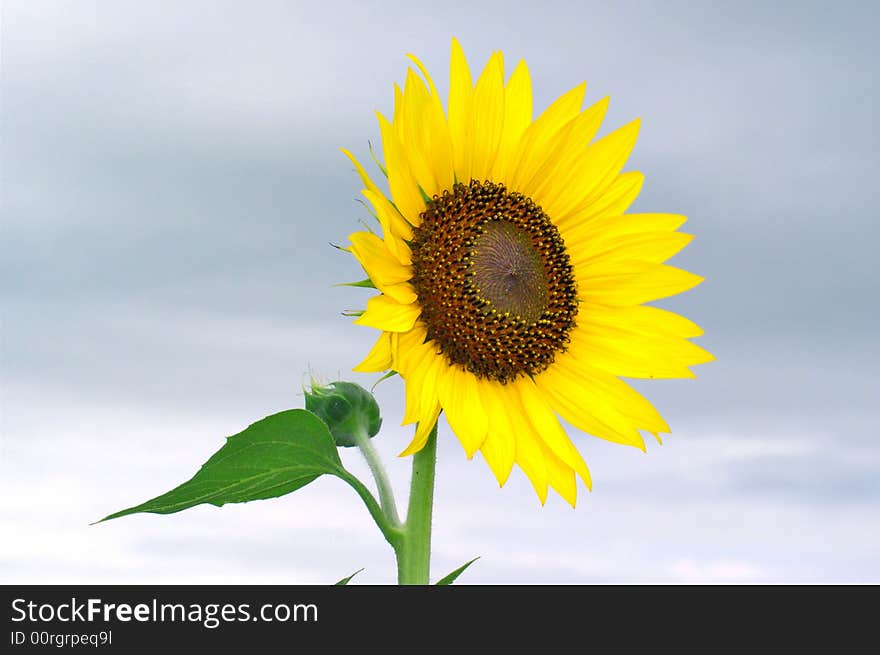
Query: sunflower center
column 508, row 271
column 494, row 281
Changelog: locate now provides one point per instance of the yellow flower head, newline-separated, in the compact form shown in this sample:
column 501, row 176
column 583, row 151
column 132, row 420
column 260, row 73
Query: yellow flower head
column 512, row 282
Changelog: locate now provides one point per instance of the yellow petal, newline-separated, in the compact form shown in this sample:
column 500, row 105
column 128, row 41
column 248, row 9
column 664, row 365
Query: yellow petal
column 404, row 293
column 610, row 226
column 628, row 401
column 560, row 476
column 436, row 368
column 535, row 146
column 529, row 451
column 416, row 132
column 395, row 227
column 378, row 262
column 613, row 282
column 394, row 337
column 499, row 448
column 654, row 247
column 616, row 394
column 517, row 117
column 398, row 105
column 572, row 392
column 423, row 431
column 401, row 181
column 487, row 119
column 568, row 147
column 435, row 96
column 368, row 183
column 464, row 408
column 615, row 200
column 460, row 98
column 389, row 218
column 414, row 365
column 596, row 170
column 387, row 314
column 383, row 268
column 379, row 357
column 643, row 319
column 633, row 354
column 439, row 142
column 547, row 426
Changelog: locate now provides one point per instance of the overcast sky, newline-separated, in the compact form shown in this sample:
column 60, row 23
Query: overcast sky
column 172, row 181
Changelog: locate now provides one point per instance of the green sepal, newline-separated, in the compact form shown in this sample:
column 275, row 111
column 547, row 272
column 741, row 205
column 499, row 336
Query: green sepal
column 428, row 199
column 389, row 374
column 345, row 581
column 370, row 210
column 376, row 159
column 449, row 579
column 366, row 284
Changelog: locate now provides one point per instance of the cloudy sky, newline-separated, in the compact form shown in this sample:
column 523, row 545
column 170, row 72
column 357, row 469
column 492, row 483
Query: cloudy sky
column 172, row 180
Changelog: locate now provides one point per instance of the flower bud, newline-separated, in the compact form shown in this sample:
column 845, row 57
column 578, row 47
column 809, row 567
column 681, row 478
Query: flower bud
column 347, row 408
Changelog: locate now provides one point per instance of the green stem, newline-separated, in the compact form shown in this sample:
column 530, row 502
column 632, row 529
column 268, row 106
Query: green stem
column 414, row 548
column 386, row 495
column 392, row 533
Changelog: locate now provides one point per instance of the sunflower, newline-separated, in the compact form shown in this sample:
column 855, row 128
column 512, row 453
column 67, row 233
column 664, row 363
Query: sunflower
column 512, row 282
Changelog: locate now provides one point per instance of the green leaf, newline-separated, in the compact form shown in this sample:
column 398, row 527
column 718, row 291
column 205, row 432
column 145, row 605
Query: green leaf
column 348, row 579
column 449, row 579
column 272, row 457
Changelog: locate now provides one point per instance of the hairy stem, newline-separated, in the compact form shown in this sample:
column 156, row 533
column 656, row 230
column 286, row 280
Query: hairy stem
column 414, row 549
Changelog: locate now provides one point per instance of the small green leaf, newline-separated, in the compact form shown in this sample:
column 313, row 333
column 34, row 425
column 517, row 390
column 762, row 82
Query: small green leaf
column 274, row 456
column 369, row 208
column 449, row 579
column 348, row 579
column 389, row 374
column 367, row 284
column 376, row 159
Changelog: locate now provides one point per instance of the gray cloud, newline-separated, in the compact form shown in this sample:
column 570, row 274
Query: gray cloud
column 172, row 182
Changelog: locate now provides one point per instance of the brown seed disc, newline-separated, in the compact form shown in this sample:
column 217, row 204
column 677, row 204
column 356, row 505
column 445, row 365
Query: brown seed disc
column 494, row 281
